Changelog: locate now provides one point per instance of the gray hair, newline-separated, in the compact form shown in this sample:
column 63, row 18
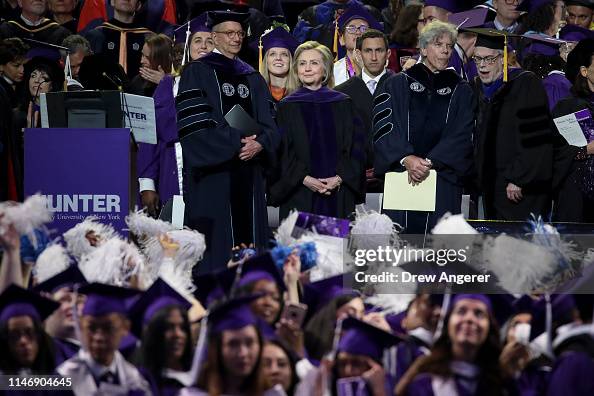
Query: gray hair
column 76, row 43
column 434, row 31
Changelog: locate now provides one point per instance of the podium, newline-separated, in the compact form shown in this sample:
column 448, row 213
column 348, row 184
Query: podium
column 82, row 172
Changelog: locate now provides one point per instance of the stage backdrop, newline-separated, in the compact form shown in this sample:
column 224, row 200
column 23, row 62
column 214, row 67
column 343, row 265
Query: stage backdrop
column 81, row 172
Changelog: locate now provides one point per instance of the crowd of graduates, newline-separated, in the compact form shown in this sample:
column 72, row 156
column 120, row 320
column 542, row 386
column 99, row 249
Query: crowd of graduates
column 335, row 98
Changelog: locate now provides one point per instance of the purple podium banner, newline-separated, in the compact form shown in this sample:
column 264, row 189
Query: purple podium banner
column 81, row 172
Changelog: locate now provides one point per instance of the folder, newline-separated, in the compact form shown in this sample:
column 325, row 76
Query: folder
column 400, row 195
column 238, row 118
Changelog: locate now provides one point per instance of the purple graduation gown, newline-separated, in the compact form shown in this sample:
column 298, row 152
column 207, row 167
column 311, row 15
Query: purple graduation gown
column 557, row 87
column 157, row 161
column 572, row 374
column 467, row 71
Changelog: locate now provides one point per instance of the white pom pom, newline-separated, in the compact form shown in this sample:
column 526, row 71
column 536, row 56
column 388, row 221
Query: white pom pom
column 144, row 226
column 27, row 216
column 451, row 224
column 53, row 260
column 391, row 303
column 333, row 259
column 114, row 263
column 283, row 234
column 77, row 243
column 371, row 230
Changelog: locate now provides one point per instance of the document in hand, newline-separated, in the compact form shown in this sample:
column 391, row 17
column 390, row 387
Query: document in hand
column 577, row 128
column 400, row 195
column 238, row 118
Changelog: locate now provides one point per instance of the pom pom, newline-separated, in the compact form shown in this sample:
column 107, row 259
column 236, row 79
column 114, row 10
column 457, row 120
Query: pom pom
column 76, row 240
column 371, row 230
column 283, row 234
column 391, row 303
column 27, row 216
column 113, row 263
column 53, row 260
column 451, row 224
column 144, row 226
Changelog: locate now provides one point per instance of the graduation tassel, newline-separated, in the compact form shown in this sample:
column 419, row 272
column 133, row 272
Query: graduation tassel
column 260, row 54
column 187, row 46
column 505, row 58
column 335, row 44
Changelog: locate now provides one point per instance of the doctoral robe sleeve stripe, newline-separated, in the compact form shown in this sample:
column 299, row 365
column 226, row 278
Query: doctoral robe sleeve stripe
column 195, row 127
column 381, row 99
column 194, row 115
column 190, row 94
column 382, row 112
column 194, row 110
column 381, row 116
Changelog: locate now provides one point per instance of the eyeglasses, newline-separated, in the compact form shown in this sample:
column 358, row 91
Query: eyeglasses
column 17, row 334
column 488, row 60
column 354, row 29
column 232, row 33
column 513, row 2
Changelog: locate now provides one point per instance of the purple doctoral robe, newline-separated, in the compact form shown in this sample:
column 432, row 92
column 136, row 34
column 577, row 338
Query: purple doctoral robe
column 557, row 86
column 467, row 71
column 157, row 161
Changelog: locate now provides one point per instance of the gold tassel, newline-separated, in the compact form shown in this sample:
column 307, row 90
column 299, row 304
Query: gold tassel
column 260, row 54
column 335, row 45
column 505, row 58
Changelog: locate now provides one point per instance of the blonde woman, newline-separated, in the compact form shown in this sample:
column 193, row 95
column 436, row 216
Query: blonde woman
column 278, row 47
column 322, row 172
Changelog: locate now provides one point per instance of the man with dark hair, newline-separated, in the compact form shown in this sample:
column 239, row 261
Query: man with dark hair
column 514, row 138
column 221, row 161
column 121, row 38
column 580, row 12
column 372, row 50
column 33, row 25
column 78, row 48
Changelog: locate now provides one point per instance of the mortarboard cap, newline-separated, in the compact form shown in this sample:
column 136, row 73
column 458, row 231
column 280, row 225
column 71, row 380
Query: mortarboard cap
column 252, row 270
column 216, row 17
column 232, row 314
column 580, row 56
column 280, row 38
column 575, row 33
column 469, row 19
column 317, row 294
column 208, row 289
column 532, row 5
column 493, row 39
column 323, row 225
column 155, row 298
column 44, row 50
column 478, row 297
column 67, row 278
column 197, row 24
column 562, row 306
column 448, row 5
column 16, row 301
column 541, row 45
column 362, row 338
column 357, row 11
column 105, row 299
column 583, row 3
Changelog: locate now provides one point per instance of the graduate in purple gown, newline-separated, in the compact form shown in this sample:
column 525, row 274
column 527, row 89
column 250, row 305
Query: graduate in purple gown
column 461, row 59
column 465, row 359
column 159, row 317
column 322, row 173
column 61, row 324
column 160, row 166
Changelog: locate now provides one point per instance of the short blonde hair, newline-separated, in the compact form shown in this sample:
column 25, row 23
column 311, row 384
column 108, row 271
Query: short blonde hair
column 290, row 85
column 434, row 31
column 327, row 60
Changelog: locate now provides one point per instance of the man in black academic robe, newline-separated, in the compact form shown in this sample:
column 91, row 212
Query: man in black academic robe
column 223, row 182
column 514, row 137
column 372, row 47
column 32, row 25
column 106, row 38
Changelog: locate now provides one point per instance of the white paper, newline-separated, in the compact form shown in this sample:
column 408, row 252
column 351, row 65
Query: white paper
column 43, row 110
column 571, row 130
column 177, row 212
column 139, row 116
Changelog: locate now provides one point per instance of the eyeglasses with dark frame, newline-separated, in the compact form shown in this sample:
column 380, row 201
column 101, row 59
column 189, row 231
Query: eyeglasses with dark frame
column 488, row 60
column 353, row 29
column 232, row 33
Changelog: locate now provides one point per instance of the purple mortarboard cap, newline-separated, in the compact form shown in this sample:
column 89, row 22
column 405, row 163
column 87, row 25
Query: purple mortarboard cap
column 318, row 294
column 448, row 5
column 155, row 298
column 532, row 5
column 105, row 299
column 562, row 312
column 261, row 267
column 469, row 19
column 208, row 289
column 16, row 301
column 44, row 50
column 216, row 17
column 279, row 38
column 358, row 12
column 542, row 45
column 70, row 277
column 197, row 24
column 362, row 338
column 478, row 297
column 575, row 33
column 323, row 225
column 233, row 314
column 502, row 306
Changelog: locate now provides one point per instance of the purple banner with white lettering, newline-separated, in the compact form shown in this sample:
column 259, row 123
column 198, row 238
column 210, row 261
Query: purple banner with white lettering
column 81, row 172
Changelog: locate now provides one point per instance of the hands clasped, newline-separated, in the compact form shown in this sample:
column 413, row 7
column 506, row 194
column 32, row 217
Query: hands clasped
column 417, row 167
column 250, row 148
column 322, row 186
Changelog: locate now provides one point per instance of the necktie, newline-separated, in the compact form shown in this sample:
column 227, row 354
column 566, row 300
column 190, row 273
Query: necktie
column 371, row 85
column 109, row 377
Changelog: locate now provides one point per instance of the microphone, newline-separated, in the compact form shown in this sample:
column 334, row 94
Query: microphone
column 119, row 87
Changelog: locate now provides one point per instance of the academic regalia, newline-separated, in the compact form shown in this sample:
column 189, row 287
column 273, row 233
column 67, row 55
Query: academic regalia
column 399, row 55
column 208, row 89
column 514, row 149
column 410, row 349
column 10, row 159
column 318, row 141
column 466, row 69
column 106, row 38
column 362, row 100
column 464, row 382
column 557, row 87
column 47, row 31
column 65, row 349
column 158, row 162
column 429, row 115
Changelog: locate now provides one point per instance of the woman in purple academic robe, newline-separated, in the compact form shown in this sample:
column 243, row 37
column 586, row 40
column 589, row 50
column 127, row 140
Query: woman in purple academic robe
column 321, row 167
column 465, row 360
